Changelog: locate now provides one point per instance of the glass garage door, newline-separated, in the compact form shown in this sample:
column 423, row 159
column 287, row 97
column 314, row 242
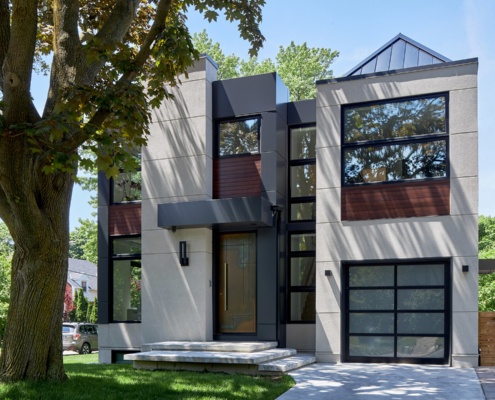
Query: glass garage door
column 397, row 313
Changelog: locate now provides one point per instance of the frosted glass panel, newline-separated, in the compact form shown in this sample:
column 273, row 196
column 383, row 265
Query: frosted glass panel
column 420, row 299
column 371, row 346
column 431, row 347
column 371, row 276
column 421, row 275
column 420, row 323
column 380, row 299
column 371, row 323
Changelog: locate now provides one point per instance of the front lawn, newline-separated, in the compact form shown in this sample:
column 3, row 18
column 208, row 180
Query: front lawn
column 89, row 380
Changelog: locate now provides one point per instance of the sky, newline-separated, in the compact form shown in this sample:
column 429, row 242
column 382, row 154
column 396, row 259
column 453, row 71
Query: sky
column 457, row 29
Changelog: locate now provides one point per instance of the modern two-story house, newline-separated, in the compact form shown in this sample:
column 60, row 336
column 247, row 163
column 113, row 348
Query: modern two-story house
column 344, row 226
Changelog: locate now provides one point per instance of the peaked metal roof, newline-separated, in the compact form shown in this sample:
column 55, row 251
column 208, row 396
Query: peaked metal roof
column 400, row 52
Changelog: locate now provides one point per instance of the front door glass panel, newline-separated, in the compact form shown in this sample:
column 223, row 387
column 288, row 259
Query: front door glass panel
column 236, row 279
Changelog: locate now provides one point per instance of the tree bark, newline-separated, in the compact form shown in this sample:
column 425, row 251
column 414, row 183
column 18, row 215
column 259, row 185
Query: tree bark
column 35, row 207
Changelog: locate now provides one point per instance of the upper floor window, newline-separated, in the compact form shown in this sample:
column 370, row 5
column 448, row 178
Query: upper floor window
column 126, row 186
column 302, row 173
column 394, row 141
column 240, row 136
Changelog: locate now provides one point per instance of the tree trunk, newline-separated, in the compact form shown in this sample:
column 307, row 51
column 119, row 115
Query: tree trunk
column 39, row 224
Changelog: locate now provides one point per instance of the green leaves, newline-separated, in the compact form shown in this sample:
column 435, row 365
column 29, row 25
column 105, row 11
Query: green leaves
column 486, row 232
column 486, row 287
column 299, row 66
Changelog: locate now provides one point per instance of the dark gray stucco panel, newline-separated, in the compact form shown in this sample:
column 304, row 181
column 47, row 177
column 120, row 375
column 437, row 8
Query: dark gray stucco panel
column 244, row 96
column 254, row 211
column 301, row 112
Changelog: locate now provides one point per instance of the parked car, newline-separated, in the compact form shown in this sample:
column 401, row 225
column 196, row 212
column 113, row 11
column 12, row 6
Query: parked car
column 80, row 337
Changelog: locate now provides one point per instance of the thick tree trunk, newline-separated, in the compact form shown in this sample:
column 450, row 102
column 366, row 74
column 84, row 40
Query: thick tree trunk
column 38, row 221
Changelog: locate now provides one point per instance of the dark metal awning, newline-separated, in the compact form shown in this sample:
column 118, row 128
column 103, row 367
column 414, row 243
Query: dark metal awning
column 251, row 211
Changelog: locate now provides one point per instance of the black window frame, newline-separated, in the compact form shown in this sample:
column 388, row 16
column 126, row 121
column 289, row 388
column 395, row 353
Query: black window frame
column 447, row 311
column 298, row 289
column 237, row 119
column 121, row 257
column 427, row 138
column 295, row 163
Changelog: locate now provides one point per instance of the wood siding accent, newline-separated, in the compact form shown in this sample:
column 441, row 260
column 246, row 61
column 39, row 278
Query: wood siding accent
column 396, row 200
column 124, row 219
column 237, row 176
column 486, row 338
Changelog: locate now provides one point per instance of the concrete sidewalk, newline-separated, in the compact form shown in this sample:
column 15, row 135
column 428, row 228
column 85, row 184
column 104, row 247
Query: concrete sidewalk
column 384, row 381
column 486, row 376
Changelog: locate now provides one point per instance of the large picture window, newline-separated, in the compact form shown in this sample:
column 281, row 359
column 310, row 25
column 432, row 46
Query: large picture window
column 395, row 141
column 126, row 279
column 237, row 137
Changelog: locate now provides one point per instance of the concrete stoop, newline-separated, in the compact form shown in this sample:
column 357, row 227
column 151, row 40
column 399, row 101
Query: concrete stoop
column 252, row 358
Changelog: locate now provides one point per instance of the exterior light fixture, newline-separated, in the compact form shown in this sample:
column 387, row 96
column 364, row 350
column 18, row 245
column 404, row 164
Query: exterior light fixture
column 184, row 260
column 465, row 268
column 328, row 272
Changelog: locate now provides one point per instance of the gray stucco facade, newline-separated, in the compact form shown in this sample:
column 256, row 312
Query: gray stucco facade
column 182, row 181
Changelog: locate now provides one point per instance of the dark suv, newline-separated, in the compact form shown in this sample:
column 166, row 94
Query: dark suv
column 80, row 337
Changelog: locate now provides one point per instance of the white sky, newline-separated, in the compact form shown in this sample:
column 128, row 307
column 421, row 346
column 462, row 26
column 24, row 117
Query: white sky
column 457, row 29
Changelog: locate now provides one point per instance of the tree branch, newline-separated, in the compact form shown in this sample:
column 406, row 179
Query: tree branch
column 66, row 50
column 4, row 34
column 113, row 31
column 101, row 115
column 18, row 63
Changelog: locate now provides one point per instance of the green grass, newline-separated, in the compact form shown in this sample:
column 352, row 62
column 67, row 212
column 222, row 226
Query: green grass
column 92, row 381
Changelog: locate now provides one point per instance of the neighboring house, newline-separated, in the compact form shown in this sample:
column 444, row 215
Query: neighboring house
column 83, row 275
column 345, row 225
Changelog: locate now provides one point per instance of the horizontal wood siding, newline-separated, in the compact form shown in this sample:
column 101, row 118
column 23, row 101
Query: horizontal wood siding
column 124, row 219
column 397, row 200
column 486, row 338
column 237, row 177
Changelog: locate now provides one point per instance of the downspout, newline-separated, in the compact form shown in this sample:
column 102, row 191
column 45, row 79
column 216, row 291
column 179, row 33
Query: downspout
column 276, row 212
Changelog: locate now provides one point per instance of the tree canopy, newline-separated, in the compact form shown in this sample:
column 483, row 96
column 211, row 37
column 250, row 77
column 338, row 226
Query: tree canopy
column 109, row 62
column 486, row 232
column 299, row 66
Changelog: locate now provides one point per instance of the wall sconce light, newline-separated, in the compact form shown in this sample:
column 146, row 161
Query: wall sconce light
column 328, row 272
column 465, row 268
column 184, row 260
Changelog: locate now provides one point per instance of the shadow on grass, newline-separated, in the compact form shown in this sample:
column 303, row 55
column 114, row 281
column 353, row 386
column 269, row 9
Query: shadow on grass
column 109, row 382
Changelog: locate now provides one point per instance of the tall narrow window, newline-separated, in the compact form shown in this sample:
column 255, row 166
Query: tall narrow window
column 303, row 173
column 239, row 136
column 126, row 279
column 302, row 269
column 395, row 140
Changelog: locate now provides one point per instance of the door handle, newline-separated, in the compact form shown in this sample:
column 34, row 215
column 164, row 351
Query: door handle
column 225, row 286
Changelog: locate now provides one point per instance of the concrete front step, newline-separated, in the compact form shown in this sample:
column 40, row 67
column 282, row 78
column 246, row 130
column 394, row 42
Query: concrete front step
column 287, row 364
column 253, row 358
column 241, row 347
column 210, row 357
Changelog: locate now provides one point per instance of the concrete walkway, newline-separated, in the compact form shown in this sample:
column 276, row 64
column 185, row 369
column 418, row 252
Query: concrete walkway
column 384, row 381
column 486, row 376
